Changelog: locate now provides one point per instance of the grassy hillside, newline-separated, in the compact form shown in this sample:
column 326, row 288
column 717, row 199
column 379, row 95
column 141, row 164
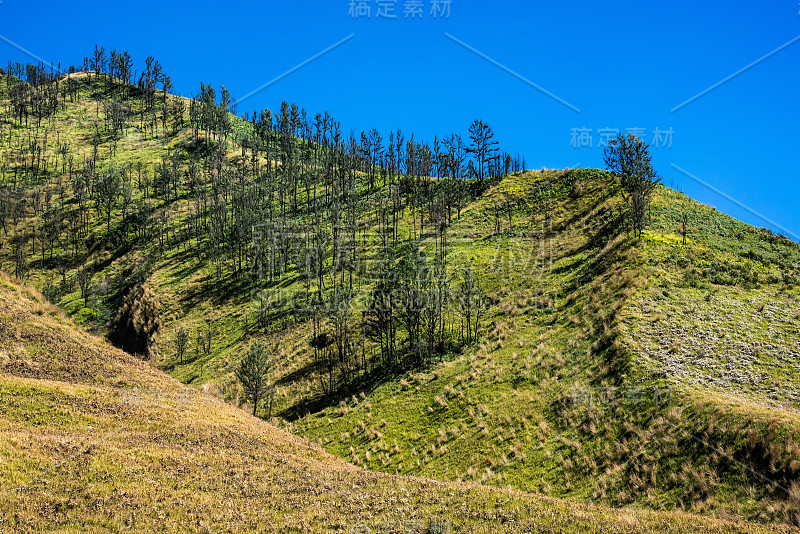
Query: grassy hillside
column 644, row 373
column 658, row 374
column 94, row 440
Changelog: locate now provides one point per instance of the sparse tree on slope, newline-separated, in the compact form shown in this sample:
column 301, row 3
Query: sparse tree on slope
column 108, row 190
column 181, row 342
column 252, row 373
column 471, row 304
column 628, row 158
column 84, row 279
column 483, row 146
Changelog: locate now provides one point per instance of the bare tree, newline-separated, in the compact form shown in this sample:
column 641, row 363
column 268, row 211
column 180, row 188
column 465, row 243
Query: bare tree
column 472, row 305
column 683, row 227
column 483, row 146
column 84, row 279
column 181, row 342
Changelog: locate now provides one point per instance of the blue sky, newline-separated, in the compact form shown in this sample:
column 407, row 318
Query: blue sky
column 624, row 65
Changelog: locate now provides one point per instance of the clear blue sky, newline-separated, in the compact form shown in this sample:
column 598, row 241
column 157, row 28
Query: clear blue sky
column 624, row 64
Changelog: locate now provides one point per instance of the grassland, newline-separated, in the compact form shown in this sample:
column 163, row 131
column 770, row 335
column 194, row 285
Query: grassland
column 94, row 440
column 632, row 377
column 645, row 374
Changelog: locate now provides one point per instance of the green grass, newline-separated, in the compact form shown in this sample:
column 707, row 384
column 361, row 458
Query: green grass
column 82, row 453
column 579, row 308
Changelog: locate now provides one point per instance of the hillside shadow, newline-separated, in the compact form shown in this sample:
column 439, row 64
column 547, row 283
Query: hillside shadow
column 184, row 265
column 366, row 384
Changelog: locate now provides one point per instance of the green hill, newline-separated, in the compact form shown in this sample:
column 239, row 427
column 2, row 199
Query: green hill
column 659, row 374
column 94, row 440
column 644, row 373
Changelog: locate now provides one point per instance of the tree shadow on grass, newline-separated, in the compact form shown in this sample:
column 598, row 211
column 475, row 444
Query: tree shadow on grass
column 366, row 383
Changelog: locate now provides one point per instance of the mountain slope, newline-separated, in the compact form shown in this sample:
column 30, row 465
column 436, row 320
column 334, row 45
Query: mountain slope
column 102, row 442
column 651, row 373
